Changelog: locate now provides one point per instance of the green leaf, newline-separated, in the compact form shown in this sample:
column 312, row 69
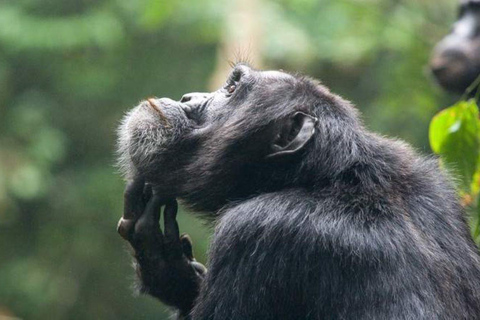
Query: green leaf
column 454, row 135
column 475, row 223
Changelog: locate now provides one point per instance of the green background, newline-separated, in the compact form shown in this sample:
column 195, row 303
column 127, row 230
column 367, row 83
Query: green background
column 69, row 69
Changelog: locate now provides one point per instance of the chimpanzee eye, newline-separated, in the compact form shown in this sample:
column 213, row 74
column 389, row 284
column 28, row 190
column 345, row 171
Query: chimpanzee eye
column 231, row 88
column 233, row 81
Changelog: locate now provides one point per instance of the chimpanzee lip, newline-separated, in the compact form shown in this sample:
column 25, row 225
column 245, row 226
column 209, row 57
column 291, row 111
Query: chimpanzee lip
column 163, row 118
column 152, row 104
column 187, row 110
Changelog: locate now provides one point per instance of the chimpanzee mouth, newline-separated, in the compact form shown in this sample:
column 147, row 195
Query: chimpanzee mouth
column 152, row 104
column 147, row 132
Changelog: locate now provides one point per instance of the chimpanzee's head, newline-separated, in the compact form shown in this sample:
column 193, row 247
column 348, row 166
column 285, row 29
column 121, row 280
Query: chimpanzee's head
column 262, row 131
column 456, row 58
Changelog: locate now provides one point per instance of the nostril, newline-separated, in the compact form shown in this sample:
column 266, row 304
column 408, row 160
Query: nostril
column 186, row 98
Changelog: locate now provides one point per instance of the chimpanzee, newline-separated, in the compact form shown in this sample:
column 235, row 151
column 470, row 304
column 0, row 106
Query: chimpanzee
column 316, row 217
column 455, row 61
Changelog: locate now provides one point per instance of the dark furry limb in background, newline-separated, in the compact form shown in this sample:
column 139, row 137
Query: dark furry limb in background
column 455, row 60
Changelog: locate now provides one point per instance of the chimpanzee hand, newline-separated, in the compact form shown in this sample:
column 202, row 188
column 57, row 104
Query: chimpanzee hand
column 165, row 263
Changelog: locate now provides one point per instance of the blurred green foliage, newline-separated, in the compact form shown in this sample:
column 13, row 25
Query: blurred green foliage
column 69, row 69
column 455, row 136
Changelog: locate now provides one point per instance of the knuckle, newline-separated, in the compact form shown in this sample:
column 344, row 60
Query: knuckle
column 173, row 250
column 124, row 228
column 156, row 200
column 144, row 230
column 199, row 268
column 184, row 237
column 171, row 243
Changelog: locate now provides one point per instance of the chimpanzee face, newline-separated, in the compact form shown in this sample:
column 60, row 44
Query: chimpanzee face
column 456, row 58
column 255, row 117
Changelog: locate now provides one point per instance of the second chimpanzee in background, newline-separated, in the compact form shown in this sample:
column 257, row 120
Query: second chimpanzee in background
column 456, row 58
column 316, row 217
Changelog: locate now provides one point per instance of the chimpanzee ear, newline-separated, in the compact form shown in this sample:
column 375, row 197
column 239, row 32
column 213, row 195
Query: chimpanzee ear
column 293, row 134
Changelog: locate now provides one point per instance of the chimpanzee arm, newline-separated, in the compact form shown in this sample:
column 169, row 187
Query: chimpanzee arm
column 164, row 262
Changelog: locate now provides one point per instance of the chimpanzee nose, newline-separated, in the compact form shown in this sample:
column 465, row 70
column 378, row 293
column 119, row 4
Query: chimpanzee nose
column 448, row 61
column 192, row 103
column 438, row 67
column 195, row 98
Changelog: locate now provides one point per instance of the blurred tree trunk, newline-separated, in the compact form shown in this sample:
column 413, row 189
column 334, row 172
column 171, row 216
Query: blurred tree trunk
column 241, row 39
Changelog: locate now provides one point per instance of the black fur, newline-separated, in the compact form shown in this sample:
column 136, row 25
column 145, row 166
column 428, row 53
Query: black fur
column 353, row 226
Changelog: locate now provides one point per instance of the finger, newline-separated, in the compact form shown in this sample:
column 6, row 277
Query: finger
column 172, row 234
column 187, row 246
column 147, row 227
column 147, row 192
column 133, row 201
column 125, row 228
column 200, row 268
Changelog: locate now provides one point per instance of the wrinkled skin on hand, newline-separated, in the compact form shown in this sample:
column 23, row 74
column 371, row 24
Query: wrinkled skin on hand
column 165, row 263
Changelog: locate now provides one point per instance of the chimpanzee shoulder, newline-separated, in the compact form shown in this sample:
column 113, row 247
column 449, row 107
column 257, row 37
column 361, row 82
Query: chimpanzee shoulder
column 308, row 253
